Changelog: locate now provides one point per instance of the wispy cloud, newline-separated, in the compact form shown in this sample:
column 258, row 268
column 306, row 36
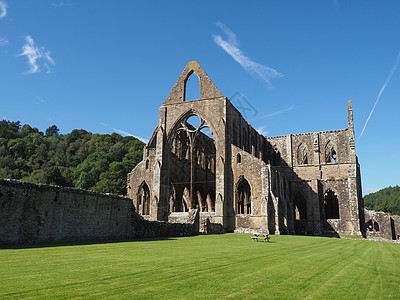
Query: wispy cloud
column 58, row 4
column 370, row 190
column 3, row 42
column 62, row 4
column 231, row 46
column 3, row 9
column 144, row 140
column 262, row 130
column 276, row 112
column 34, row 53
column 396, row 64
column 38, row 101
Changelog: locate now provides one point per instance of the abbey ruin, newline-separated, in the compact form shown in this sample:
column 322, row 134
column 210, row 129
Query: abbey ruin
column 206, row 170
column 205, row 155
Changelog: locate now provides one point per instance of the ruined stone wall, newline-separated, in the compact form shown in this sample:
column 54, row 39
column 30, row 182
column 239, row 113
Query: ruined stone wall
column 33, row 213
column 378, row 225
column 40, row 213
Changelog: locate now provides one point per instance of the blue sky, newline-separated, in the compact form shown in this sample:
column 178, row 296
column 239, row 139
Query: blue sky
column 107, row 66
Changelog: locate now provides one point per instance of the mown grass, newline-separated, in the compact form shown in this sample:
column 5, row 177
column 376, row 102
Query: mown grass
column 213, row 266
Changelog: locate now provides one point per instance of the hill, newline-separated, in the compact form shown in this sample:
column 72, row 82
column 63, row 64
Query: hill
column 387, row 200
column 80, row 159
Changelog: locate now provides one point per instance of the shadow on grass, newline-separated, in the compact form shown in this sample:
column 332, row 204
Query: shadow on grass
column 82, row 243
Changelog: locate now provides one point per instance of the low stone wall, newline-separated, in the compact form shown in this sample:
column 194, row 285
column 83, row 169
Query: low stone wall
column 31, row 213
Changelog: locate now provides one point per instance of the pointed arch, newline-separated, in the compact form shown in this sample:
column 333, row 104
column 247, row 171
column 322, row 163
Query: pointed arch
column 192, row 87
column 331, row 204
column 143, row 199
column 302, row 154
column 243, row 196
column 183, row 118
column 330, row 153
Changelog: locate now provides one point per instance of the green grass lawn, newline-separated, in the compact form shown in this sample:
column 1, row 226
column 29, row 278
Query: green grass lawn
column 213, row 266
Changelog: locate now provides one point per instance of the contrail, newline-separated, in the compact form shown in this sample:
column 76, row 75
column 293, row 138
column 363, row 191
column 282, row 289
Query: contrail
column 396, row 64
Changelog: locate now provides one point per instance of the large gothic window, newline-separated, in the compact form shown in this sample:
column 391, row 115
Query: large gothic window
column 192, row 161
column 330, row 153
column 331, row 203
column 302, row 155
column 143, row 206
column 243, row 195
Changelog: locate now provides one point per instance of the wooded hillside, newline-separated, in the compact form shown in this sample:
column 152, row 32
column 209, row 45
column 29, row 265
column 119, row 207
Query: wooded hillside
column 98, row 162
column 387, row 200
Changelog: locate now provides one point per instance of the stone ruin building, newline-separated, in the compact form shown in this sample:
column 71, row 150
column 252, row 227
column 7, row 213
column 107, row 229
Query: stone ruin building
column 203, row 154
column 205, row 169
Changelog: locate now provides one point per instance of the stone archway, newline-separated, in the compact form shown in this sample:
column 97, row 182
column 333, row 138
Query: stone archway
column 143, row 199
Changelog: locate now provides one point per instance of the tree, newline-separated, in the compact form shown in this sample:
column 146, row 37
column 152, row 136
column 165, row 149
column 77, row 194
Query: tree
column 88, row 172
column 80, row 159
column 9, row 130
column 111, row 182
column 52, row 130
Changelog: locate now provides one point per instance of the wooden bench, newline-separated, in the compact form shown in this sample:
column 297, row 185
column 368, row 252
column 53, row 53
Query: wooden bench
column 261, row 236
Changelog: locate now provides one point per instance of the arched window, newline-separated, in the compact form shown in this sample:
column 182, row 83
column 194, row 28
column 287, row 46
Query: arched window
column 147, row 164
column 302, row 155
column 243, row 196
column 330, row 153
column 192, row 87
column 238, row 158
column 331, row 203
column 143, row 199
column 372, row 225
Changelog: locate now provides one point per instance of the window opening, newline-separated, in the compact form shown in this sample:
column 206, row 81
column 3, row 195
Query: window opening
column 192, row 87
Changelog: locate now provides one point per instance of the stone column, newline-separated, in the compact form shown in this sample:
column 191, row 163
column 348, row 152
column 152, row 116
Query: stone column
column 315, row 207
column 276, row 206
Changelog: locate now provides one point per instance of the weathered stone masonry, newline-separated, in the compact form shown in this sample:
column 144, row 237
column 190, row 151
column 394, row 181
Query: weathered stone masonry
column 297, row 184
column 33, row 213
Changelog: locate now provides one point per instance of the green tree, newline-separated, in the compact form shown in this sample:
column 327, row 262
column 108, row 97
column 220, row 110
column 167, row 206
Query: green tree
column 52, row 130
column 111, row 182
column 88, row 172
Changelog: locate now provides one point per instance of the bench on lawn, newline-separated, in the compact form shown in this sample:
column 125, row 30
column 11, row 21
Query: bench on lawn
column 261, row 236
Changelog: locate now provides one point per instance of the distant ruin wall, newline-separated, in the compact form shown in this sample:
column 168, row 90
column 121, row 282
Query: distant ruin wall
column 379, row 225
column 31, row 213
